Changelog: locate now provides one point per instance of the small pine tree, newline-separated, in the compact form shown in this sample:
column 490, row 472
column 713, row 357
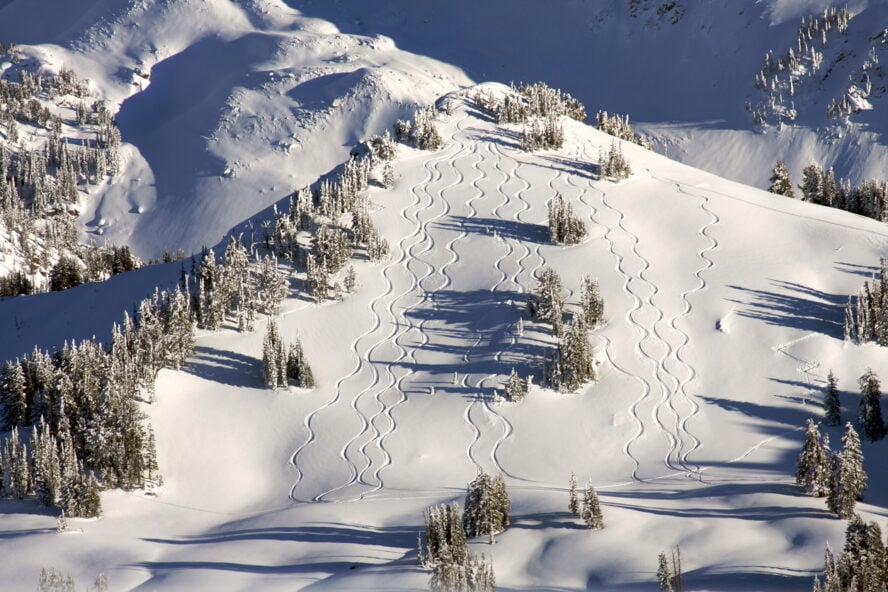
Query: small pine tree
column 272, row 359
column 591, row 514
column 664, row 574
column 298, row 369
column 573, row 504
column 870, row 416
column 592, row 302
column 780, row 181
column 516, row 389
column 546, row 303
column 832, row 409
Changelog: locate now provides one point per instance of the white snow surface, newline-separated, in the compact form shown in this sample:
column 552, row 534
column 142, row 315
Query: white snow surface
column 724, row 303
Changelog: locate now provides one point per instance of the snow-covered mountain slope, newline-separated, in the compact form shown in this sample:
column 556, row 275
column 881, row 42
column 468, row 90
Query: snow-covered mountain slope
column 724, row 308
column 228, row 106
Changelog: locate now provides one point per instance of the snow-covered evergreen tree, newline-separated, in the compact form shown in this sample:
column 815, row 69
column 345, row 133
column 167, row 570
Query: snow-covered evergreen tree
column 850, row 477
column 298, row 369
column 592, row 302
column 780, row 181
column 487, row 506
column 861, row 566
column 572, row 364
column 832, row 408
column 591, row 513
column 516, row 388
column 870, row 415
column 573, row 504
column 813, row 469
column 545, row 302
column 272, row 361
column 669, row 571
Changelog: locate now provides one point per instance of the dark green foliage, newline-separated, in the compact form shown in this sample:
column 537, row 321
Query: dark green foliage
column 487, row 506
column 17, row 283
column 65, row 274
column 870, row 416
column 832, row 409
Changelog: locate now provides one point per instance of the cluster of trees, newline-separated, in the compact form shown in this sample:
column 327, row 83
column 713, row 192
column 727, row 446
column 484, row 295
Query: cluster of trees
column 422, row 131
column 612, row 164
column 837, row 476
column 487, row 506
column 618, row 126
column 538, row 108
column 527, row 101
column 780, row 77
column 445, row 550
column 869, row 199
column 39, row 183
column 446, row 553
column 543, row 134
column 862, row 566
column 572, row 363
column 52, row 580
column 81, row 403
column 280, row 364
column 590, row 510
column 565, row 227
column 866, row 315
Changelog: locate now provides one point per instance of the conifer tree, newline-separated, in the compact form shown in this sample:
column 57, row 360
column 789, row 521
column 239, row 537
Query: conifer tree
column 546, row 303
column 850, row 480
column 664, row 575
column 780, row 181
column 298, row 369
column 574, row 501
column 592, row 302
column 591, row 513
column 832, row 409
column 516, row 389
column 812, row 470
column 870, row 416
column 271, row 356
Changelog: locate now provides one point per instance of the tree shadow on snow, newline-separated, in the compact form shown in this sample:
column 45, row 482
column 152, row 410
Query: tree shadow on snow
column 865, row 271
column 796, row 306
column 511, row 229
column 225, row 367
column 400, row 541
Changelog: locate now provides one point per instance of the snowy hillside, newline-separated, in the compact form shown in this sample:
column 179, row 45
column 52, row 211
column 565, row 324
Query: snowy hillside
column 723, row 303
column 724, row 314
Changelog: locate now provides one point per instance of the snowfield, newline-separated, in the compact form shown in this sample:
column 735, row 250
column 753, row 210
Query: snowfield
column 724, row 309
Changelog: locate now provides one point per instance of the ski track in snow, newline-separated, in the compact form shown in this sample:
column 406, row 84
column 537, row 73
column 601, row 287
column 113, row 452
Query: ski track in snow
column 411, row 214
column 401, row 327
column 649, row 319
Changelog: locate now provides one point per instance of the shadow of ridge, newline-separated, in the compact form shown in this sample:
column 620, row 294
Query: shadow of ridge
column 225, row 367
column 512, row 229
column 757, row 513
